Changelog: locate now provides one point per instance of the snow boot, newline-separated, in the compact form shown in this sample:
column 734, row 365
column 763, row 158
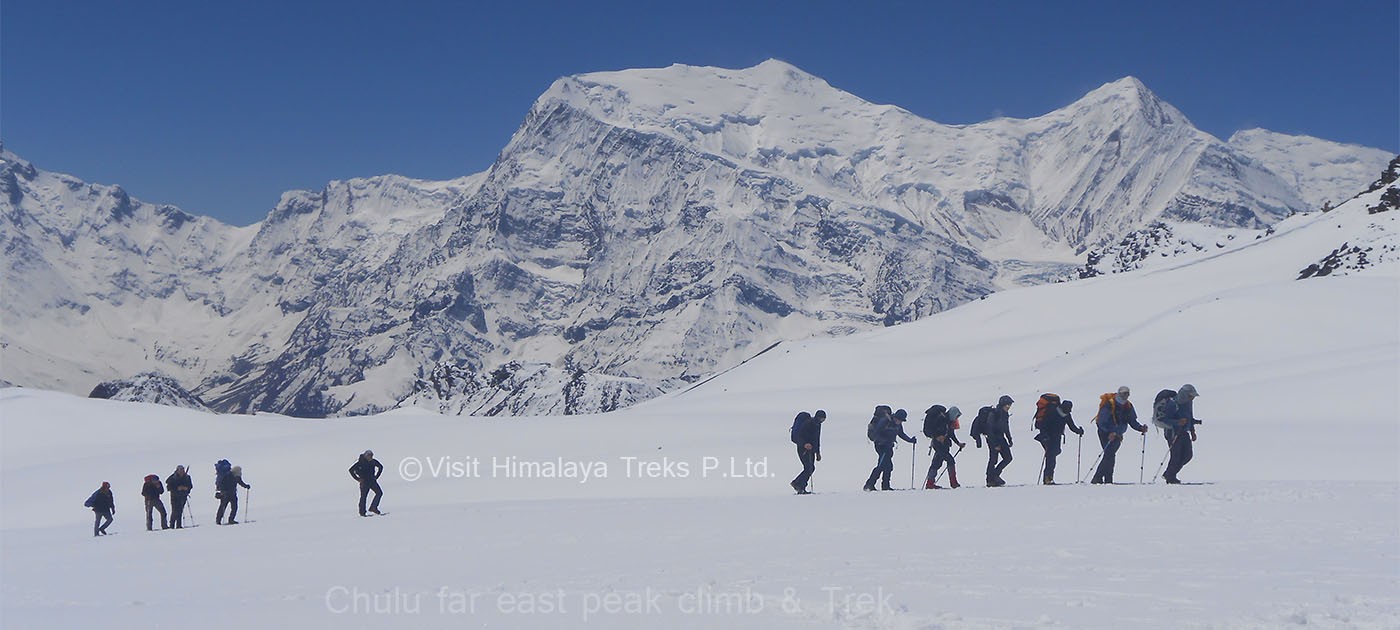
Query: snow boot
column 953, row 477
column 798, row 488
column 869, row 487
column 930, row 485
column 885, row 486
column 1049, row 480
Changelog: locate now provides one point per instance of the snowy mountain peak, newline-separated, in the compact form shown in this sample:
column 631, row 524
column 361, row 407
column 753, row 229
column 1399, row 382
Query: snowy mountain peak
column 1128, row 95
column 681, row 98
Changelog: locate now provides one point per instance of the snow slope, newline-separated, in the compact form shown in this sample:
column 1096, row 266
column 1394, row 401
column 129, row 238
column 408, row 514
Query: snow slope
column 1300, row 527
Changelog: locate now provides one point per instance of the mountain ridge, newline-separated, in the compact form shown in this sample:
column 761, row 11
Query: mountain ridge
column 654, row 252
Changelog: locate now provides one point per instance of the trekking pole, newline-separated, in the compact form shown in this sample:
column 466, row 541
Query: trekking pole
column 952, row 461
column 1142, row 465
column 247, row 505
column 1077, row 451
column 1164, row 458
column 1092, row 467
column 1041, row 481
column 913, row 453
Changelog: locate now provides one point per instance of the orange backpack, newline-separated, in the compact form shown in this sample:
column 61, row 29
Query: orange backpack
column 1042, row 407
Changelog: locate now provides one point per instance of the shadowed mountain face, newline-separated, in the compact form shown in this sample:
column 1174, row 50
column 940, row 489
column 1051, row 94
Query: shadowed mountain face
column 641, row 230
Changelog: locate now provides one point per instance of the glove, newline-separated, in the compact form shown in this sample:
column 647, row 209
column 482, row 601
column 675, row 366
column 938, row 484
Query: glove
column 1079, row 432
column 978, row 441
column 913, row 440
column 819, row 456
column 1009, row 443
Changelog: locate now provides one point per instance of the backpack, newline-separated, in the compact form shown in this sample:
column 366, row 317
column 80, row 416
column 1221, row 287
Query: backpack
column 979, row 424
column 1159, row 409
column 221, row 468
column 937, row 414
column 1108, row 400
column 90, row 500
column 873, row 427
column 797, row 424
column 1042, row 407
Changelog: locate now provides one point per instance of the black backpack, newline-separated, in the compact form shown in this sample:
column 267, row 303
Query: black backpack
column 797, row 425
column 872, row 428
column 979, row 424
column 1159, row 408
column 935, row 416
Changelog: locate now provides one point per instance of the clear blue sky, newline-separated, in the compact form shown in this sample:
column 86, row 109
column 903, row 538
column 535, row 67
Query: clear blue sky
column 218, row 107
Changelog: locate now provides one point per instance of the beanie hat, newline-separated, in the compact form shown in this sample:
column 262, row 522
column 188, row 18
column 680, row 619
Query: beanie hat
column 106, row 485
column 179, row 469
column 901, row 414
column 954, row 412
column 820, row 415
column 1124, row 391
column 1067, row 405
column 152, row 477
column 1188, row 390
column 1004, row 400
column 367, row 453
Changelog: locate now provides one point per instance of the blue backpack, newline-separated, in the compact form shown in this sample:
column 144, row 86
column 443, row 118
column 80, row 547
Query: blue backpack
column 221, row 468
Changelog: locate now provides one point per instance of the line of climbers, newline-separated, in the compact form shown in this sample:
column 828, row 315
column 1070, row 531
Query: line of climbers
column 1172, row 411
column 227, row 479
